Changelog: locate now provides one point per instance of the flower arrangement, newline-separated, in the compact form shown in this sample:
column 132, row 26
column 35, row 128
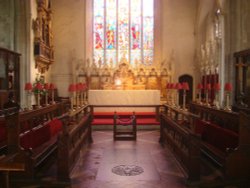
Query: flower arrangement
column 40, row 88
column 38, row 85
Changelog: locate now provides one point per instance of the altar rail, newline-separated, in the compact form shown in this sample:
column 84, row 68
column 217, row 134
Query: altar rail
column 176, row 133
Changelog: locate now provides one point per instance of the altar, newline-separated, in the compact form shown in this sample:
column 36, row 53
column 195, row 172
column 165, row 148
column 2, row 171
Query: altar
column 129, row 98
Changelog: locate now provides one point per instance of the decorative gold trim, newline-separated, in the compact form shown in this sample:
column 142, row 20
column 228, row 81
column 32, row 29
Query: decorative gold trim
column 43, row 48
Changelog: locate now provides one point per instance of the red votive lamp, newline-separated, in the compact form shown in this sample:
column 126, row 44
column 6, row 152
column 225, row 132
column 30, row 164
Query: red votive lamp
column 28, row 86
column 185, row 86
column 217, row 87
column 199, row 86
column 228, row 87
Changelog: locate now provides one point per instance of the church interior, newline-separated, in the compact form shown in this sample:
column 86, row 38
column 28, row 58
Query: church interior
column 124, row 93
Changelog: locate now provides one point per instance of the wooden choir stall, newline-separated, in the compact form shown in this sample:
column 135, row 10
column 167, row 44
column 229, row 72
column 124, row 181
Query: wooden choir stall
column 221, row 136
column 34, row 136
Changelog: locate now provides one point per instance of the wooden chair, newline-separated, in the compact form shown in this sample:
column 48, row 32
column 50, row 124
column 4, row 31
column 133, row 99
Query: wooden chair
column 127, row 133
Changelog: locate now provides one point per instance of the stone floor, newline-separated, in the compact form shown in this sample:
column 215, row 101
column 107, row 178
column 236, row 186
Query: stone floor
column 159, row 167
column 124, row 164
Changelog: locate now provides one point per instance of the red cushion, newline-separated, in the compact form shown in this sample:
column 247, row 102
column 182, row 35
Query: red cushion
column 41, row 135
column 220, row 137
column 26, row 140
column 55, row 126
column 225, row 138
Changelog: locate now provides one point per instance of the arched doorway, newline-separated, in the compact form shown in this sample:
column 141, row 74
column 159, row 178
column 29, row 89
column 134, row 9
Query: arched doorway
column 189, row 80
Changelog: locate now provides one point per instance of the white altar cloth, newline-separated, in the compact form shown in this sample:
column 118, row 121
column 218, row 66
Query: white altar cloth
column 124, row 97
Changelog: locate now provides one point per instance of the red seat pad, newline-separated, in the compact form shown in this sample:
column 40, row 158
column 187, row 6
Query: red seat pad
column 40, row 135
column 55, row 126
column 26, row 139
column 220, row 137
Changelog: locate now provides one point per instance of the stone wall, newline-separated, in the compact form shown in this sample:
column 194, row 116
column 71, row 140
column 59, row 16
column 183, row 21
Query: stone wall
column 7, row 24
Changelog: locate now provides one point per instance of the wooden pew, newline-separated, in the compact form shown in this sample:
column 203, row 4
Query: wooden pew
column 225, row 119
column 31, row 119
column 75, row 136
column 35, row 134
column 40, row 139
column 225, row 139
column 237, row 165
column 219, row 131
column 176, row 133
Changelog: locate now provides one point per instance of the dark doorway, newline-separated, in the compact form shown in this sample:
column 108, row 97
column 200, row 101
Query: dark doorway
column 189, row 97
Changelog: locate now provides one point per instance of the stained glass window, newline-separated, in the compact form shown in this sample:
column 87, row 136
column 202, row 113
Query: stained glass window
column 123, row 31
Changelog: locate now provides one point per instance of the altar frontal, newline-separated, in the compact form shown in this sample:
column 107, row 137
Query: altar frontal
column 124, row 97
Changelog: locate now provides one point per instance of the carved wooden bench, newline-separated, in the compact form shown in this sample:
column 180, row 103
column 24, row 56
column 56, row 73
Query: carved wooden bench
column 40, row 142
column 76, row 136
column 35, row 134
column 176, row 132
column 216, row 141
